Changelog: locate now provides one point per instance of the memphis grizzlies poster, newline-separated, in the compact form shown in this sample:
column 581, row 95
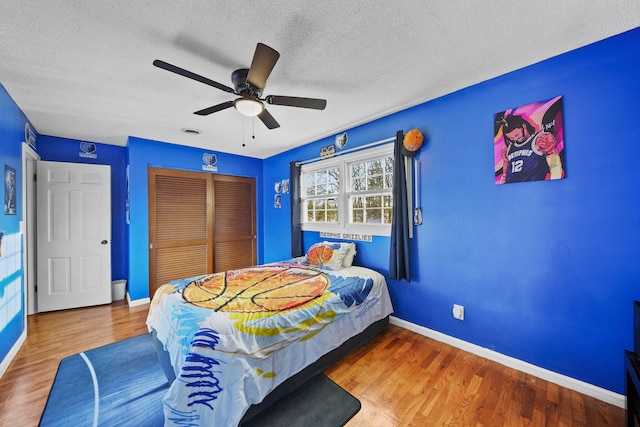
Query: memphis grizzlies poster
column 528, row 143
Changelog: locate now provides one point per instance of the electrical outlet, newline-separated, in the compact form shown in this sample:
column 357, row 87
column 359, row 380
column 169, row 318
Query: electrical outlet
column 458, row 311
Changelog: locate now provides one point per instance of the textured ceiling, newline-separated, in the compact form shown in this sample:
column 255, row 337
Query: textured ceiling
column 83, row 69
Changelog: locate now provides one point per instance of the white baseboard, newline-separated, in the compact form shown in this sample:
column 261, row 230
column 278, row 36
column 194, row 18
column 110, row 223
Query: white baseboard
column 545, row 374
column 137, row 302
column 12, row 353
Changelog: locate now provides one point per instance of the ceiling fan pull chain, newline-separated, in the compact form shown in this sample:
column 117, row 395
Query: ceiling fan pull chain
column 243, row 135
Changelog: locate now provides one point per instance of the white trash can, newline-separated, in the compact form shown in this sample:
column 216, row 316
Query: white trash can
column 118, row 288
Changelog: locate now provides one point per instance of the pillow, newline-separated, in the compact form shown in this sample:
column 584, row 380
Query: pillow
column 351, row 252
column 327, row 255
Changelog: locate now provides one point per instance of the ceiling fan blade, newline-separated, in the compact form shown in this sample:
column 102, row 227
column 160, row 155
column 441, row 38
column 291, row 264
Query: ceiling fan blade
column 181, row 71
column 293, row 101
column 214, row 109
column 264, row 59
column 268, row 119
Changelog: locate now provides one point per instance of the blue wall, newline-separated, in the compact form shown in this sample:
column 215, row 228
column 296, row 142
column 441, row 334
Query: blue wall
column 68, row 150
column 547, row 271
column 12, row 310
column 142, row 154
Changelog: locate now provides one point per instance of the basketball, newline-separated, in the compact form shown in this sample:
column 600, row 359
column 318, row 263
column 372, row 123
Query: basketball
column 412, row 143
column 319, row 255
column 258, row 289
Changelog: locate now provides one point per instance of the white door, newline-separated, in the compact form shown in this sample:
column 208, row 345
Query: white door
column 74, row 235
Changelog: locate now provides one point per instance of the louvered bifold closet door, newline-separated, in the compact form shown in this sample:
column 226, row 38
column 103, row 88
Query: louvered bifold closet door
column 234, row 225
column 180, row 216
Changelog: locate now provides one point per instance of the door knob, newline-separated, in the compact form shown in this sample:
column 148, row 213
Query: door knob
column 104, row 242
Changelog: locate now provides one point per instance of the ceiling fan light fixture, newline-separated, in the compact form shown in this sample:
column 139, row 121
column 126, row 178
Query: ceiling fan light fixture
column 248, row 106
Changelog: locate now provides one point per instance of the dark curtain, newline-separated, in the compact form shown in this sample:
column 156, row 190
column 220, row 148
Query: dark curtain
column 297, row 248
column 399, row 256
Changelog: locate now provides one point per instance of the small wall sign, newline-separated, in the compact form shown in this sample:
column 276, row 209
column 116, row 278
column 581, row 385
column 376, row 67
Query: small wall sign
column 347, row 236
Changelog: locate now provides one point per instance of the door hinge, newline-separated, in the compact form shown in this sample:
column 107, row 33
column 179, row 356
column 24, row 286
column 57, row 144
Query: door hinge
column 35, row 177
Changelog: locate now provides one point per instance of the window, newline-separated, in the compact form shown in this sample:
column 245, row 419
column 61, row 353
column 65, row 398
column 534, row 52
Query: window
column 352, row 192
column 321, row 190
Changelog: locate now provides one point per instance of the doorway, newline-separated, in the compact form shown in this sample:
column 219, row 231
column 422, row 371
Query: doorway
column 74, row 235
column 29, row 159
column 29, row 228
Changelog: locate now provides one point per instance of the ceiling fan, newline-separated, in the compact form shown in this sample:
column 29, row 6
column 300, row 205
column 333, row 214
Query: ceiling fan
column 248, row 85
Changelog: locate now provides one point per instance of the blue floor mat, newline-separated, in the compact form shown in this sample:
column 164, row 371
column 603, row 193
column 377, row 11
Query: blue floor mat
column 129, row 385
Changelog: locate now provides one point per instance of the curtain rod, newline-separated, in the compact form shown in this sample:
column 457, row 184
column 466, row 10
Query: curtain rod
column 349, row 150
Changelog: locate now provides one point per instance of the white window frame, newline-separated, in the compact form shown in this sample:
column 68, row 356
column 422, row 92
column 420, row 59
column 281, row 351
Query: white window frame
column 342, row 162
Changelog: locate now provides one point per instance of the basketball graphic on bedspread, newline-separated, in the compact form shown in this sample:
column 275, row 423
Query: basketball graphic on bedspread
column 257, row 289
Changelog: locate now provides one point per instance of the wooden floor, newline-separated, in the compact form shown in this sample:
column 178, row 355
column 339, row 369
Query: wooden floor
column 401, row 378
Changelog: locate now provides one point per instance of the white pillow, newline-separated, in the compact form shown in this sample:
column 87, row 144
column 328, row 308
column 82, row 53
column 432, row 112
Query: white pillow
column 351, row 253
column 349, row 249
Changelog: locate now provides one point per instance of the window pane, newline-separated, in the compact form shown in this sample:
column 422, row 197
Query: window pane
column 320, row 216
column 358, row 184
column 357, row 216
column 358, row 170
column 334, row 175
column 309, row 179
column 374, row 182
column 387, row 216
column 334, row 188
column 357, row 202
column 374, row 202
column 374, row 216
column 388, row 165
column 321, row 189
column 308, row 209
column 388, row 181
column 332, row 216
column 332, row 204
column 375, row 167
column 309, row 182
column 387, row 201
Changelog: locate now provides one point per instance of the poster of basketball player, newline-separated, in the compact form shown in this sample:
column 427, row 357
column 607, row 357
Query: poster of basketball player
column 528, row 143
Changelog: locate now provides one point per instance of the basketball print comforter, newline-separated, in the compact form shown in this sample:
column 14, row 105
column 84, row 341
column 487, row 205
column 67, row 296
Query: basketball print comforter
column 233, row 337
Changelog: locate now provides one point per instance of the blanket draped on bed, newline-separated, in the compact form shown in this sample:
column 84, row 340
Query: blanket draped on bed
column 233, row 337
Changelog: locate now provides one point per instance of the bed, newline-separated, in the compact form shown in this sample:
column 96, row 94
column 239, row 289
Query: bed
column 237, row 341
